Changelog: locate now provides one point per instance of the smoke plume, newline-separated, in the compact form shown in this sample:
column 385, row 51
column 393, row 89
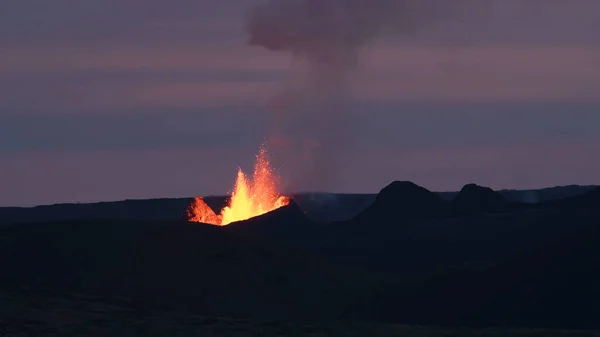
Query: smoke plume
column 312, row 121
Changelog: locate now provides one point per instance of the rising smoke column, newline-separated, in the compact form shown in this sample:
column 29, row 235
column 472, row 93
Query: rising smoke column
column 312, row 115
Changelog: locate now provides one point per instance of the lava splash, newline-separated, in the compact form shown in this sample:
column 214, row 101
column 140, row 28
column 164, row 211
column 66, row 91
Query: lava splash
column 251, row 197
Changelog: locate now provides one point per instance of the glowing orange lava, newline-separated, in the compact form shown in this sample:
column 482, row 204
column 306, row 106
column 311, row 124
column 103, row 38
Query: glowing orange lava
column 250, row 197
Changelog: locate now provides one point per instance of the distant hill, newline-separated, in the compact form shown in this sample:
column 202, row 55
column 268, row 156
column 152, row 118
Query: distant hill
column 151, row 209
column 536, row 195
column 475, row 199
column 400, row 202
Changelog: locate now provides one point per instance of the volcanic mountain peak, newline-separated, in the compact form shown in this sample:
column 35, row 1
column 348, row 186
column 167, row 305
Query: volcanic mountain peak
column 474, row 187
column 402, row 200
column 477, row 199
column 406, row 193
column 286, row 221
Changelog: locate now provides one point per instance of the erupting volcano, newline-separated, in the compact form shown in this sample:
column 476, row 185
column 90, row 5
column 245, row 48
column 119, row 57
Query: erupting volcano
column 250, row 197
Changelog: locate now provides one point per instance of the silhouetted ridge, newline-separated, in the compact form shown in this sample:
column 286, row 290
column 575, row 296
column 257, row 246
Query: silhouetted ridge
column 474, row 199
column 589, row 200
column 286, row 221
column 403, row 200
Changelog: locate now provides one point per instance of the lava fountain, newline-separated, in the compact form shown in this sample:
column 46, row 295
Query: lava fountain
column 250, row 197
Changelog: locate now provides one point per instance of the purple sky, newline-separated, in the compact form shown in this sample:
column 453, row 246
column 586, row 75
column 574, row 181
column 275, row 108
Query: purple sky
column 114, row 99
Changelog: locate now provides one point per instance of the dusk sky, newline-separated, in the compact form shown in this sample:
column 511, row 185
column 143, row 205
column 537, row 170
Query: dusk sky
column 115, row 99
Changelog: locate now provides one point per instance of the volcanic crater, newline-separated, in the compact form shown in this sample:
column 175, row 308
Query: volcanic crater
column 251, row 196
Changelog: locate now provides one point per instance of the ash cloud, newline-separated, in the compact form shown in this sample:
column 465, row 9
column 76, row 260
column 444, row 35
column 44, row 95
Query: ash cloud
column 313, row 122
column 323, row 32
column 314, row 127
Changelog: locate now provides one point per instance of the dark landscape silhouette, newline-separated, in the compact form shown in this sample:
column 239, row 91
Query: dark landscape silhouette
column 476, row 258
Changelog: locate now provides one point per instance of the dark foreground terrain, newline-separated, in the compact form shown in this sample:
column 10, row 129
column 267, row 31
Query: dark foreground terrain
column 27, row 313
column 467, row 263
